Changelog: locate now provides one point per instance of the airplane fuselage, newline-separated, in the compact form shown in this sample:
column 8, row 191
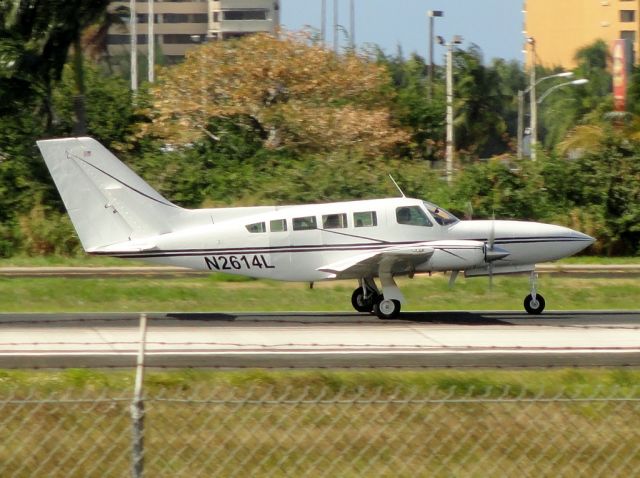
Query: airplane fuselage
column 293, row 243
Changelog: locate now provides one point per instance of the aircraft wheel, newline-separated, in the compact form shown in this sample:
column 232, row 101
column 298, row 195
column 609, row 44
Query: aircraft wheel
column 387, row 309
column 360, row 303
column 534, row 306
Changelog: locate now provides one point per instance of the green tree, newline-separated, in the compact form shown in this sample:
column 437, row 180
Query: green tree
column 296, row 96
column 479, row 102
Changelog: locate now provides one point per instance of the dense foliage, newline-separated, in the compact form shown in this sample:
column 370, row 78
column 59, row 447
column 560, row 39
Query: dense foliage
column 263, row 120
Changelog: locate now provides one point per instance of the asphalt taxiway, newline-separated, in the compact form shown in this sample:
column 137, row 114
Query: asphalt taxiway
column 306, row 340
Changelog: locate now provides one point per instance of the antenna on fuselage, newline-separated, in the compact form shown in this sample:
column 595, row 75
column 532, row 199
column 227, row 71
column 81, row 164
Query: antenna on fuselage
column 397, row 187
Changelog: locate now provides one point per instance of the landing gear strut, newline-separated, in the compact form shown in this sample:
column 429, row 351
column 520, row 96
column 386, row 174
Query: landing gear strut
column 368, row 298
column 365, row 297
column 534, row 302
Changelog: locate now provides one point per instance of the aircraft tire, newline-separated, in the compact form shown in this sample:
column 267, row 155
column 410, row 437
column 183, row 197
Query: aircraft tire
column 534, row 307
column 387, row 309
column 360, row 303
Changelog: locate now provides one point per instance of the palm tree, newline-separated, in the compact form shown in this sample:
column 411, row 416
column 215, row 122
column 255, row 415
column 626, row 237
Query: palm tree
column 36, row 36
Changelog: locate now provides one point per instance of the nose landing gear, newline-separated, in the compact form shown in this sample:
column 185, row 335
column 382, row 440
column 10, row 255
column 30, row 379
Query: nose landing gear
column 534, row 302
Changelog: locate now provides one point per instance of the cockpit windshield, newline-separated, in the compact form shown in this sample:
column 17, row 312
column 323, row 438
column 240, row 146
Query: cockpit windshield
column 442, row 217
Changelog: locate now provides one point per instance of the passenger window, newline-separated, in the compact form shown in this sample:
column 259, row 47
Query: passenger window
column 334, row 221
column 256, row 227
column 365, row 219
column 278, row 225
column 304, row 223
column 412, row 216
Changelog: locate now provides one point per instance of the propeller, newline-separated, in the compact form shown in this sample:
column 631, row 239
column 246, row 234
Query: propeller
column 492, row 252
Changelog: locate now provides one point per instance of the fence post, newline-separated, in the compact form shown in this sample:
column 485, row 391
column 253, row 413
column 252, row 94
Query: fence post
column 137, row 407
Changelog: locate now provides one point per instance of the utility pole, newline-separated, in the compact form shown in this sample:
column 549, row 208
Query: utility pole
column 431, row 14
column 457, row 39
column 352, row 24
column 151, row 43
column 323, row 22
column 133, row 33
column 450, row 139
column 532, row 100
column 520, row 122
column 335, row 25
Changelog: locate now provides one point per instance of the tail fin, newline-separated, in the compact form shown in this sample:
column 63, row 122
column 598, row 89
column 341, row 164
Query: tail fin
column 108, row 203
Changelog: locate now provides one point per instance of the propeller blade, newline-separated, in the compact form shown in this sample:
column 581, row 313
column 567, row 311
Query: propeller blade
column 452, row 279
column 490, row 276
column 492, row 231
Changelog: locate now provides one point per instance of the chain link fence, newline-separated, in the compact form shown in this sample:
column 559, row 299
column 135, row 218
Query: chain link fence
column 322, row 431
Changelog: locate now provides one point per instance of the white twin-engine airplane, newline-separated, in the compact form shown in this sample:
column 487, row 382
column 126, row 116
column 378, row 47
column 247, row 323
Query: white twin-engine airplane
column 116, row 213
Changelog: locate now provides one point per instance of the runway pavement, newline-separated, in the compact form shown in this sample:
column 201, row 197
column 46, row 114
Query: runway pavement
column 300, row 340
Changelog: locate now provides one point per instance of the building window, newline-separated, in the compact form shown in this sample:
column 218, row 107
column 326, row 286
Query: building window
column 629, row 35
column 627, row 15
column 177, row 39
column 175, row 18
column 229, row 35
column 125, row 39
column 200, row 18
column 253, row 14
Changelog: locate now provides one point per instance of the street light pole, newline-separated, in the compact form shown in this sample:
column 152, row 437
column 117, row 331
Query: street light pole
column 580, row 81
column 521, row 94
column 431, row 14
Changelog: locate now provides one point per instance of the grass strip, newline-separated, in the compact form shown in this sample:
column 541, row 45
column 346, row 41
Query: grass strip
column 206, row 294
column 323, row 423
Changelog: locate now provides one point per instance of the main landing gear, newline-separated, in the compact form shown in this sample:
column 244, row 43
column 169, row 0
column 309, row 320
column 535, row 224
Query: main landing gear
column 534, row 302
column 368, row 298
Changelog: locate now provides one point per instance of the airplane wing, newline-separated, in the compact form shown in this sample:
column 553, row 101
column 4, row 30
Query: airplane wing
column 393, row 258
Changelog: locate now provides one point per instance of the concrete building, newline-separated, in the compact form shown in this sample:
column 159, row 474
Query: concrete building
column 561, row 27
column 180, row 25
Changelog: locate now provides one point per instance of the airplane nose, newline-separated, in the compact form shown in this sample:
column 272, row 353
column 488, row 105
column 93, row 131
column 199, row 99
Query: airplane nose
column 588, row 240
column 580, row 241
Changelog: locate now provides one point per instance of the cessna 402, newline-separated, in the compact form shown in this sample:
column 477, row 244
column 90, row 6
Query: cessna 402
column 116, row 213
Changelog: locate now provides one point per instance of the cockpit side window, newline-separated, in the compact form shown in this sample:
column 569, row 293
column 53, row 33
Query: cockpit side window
column 412, row 216
column 442, row 217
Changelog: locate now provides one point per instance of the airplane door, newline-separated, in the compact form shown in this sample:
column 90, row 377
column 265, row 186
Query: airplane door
column 279, row 247
column 306, row 248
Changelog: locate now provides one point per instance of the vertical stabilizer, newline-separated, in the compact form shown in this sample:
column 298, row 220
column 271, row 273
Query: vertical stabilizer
column 108, row 203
